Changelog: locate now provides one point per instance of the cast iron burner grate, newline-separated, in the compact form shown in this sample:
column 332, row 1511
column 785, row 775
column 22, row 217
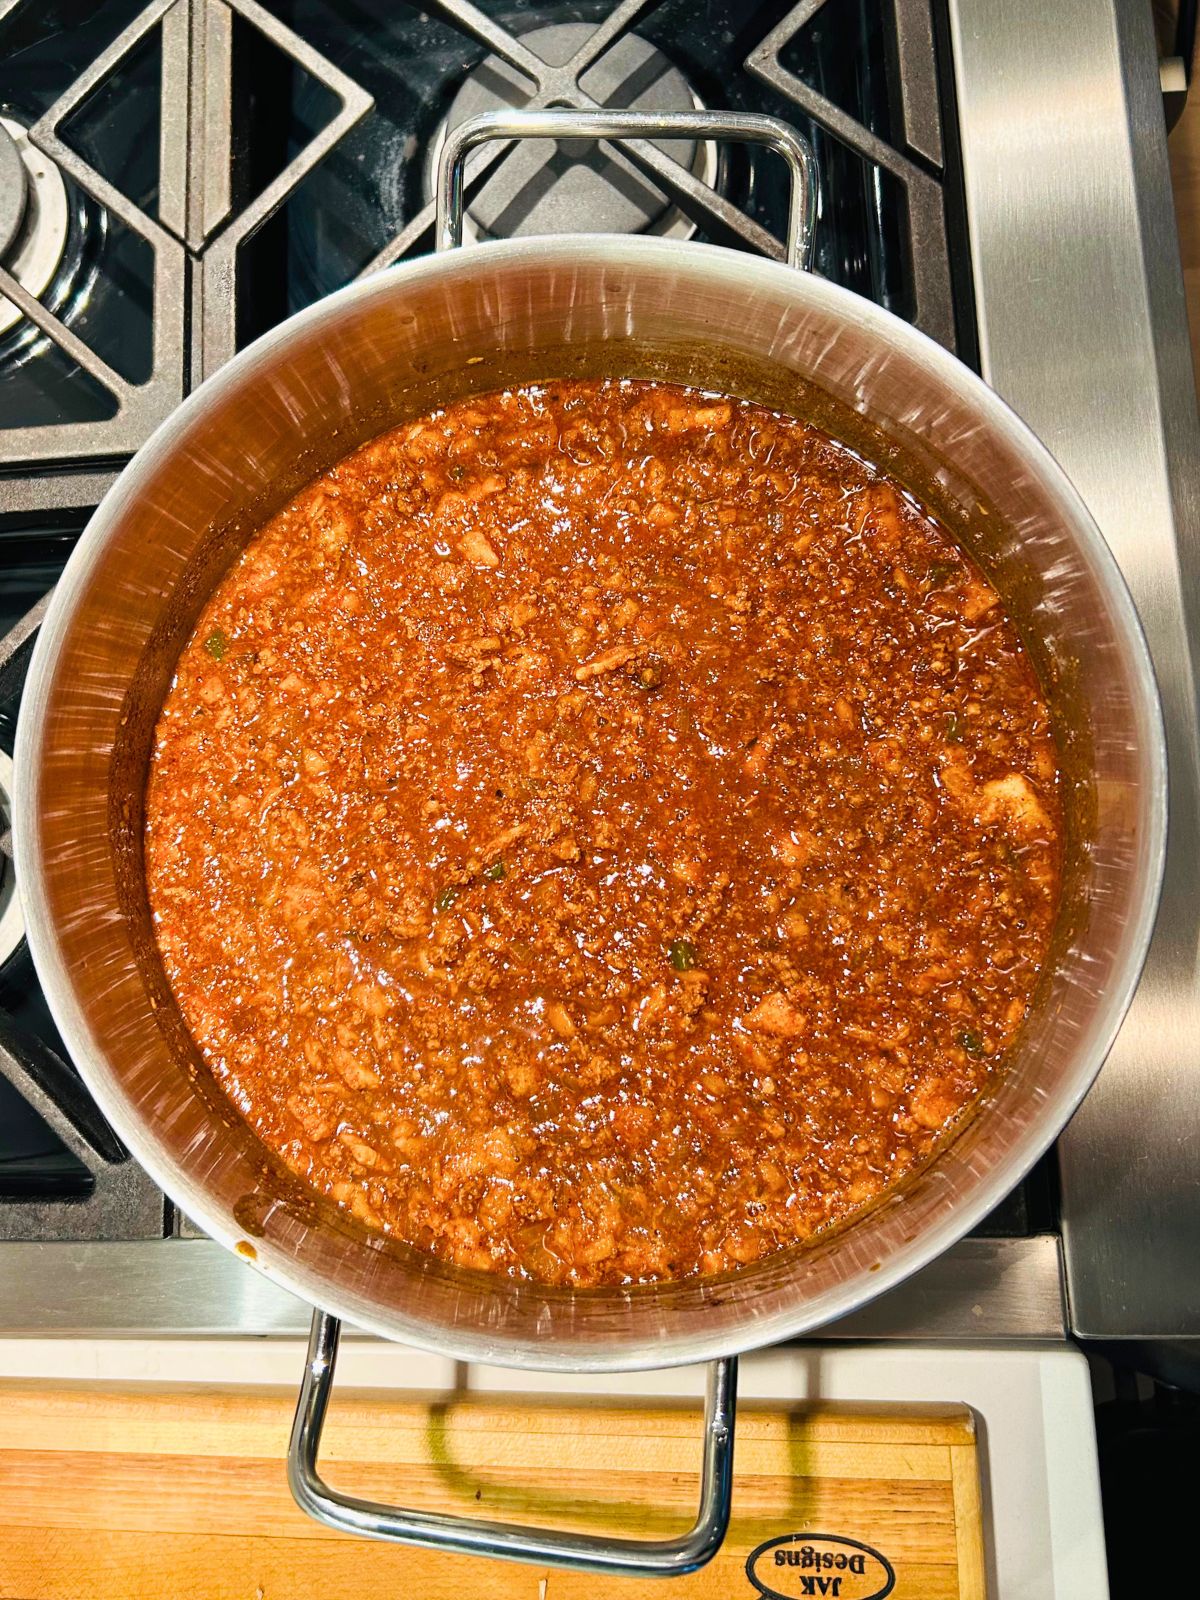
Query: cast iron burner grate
column 63, row 1172
column 189, row 172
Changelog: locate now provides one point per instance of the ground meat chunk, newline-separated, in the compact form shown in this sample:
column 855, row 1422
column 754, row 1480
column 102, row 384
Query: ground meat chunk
column 776, row 1015
column 602, row 832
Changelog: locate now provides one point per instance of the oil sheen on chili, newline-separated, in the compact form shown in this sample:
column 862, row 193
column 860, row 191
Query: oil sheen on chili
column 602, row 832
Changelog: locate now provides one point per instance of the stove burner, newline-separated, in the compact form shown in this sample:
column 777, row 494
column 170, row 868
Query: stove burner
column 545, row 188
column 33, row 250
column 12, row 923
column 13, row 190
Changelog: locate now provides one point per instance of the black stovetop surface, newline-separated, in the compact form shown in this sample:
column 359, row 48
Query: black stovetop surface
column 866, row 81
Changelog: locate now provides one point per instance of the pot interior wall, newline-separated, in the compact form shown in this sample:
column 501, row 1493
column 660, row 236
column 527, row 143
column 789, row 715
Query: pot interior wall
column 394, row 348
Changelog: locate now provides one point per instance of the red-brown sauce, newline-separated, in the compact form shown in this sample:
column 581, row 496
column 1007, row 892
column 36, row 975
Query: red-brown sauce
column 602, row 832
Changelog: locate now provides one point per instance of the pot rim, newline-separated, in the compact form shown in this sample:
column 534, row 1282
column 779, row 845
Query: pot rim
column 858, row 1290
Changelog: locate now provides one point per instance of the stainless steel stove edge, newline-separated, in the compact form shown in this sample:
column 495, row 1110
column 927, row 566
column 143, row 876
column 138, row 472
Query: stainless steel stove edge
column 1083, row 329
column 980, row 1290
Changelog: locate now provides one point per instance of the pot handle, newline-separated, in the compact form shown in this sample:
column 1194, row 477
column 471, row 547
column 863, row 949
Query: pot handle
column 747, row 127
column 437, row 1530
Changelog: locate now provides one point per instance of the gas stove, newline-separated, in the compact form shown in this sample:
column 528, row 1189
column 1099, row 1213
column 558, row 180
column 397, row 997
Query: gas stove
column 176, row 178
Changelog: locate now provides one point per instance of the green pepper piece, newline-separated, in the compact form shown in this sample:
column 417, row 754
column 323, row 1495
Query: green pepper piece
column 682, row 954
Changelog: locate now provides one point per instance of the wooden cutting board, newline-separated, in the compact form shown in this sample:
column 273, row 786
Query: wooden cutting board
column 125, row 1491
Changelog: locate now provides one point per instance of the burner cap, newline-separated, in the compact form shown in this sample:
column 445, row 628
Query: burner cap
column 542, row 186
column 12, row 923
column 13, row 185
column 38, row 241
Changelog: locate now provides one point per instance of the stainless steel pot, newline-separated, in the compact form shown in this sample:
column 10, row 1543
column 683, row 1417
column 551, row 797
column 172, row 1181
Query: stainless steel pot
column 389, row 348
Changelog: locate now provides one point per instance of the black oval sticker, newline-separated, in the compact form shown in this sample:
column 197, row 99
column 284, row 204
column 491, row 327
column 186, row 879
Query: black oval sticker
column 799, row 1565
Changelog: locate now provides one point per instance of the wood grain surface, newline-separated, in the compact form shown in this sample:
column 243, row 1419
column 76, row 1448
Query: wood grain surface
column 128, row 1491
